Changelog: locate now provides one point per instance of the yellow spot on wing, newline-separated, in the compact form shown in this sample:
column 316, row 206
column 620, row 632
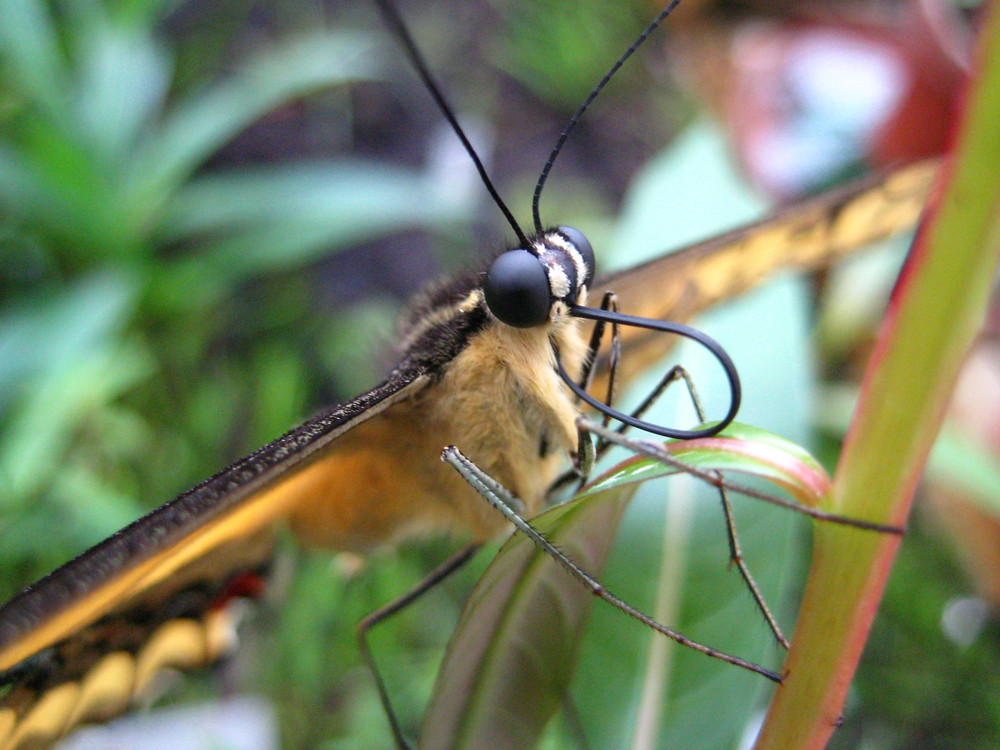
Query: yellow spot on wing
column 177, row 643
column 106, row 689
column 7, row 721
column 47, row 719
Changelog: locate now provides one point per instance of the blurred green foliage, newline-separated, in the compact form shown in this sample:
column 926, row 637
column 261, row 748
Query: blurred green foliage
column 191, row 199
column 127, row 268
column 158, row 313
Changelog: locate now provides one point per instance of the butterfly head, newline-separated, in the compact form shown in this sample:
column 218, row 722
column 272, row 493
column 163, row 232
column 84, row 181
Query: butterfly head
column 546, row 282
column 537, row 284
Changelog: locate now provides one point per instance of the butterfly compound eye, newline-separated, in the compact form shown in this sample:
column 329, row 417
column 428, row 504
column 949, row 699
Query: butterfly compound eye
column 517, row 289
column 582, row 244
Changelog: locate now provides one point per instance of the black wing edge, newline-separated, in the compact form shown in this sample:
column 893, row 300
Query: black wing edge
column 141, row 539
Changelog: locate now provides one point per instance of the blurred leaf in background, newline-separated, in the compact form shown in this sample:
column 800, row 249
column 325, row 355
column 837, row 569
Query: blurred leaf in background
column 165, row 307
column 126, row 268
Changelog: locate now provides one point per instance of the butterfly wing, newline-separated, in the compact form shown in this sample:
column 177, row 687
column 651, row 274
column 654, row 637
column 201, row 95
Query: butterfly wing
column 81, row 642
column 807, row 235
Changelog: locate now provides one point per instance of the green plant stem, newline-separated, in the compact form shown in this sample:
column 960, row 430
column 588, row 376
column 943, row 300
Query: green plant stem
column 932, row 321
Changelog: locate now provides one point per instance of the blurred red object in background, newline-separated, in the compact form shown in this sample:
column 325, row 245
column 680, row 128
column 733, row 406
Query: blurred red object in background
column 833, row 90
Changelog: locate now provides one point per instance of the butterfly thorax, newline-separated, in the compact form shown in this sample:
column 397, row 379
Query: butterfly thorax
column 503, row 404
column 492, row 390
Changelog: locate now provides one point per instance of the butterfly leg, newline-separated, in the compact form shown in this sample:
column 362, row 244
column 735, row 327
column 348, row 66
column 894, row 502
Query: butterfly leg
column 445, row 569
column 583, row 464
column 736, row 558
column 656, row 452
column 586, row 454
column 735, row 550
column 715, row 478
column 676, row 373
column 608, row 302
column 501, row 499
column 584, row 458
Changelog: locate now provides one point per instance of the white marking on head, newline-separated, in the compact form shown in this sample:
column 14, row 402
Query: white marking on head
column 558, row 281
column 557, row 240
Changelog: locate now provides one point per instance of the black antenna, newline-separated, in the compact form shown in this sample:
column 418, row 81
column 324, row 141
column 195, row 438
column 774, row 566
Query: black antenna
column 536, row 215
column 395, row 22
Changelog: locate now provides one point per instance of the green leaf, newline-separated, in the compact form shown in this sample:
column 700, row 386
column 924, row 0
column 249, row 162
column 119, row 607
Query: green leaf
column 273, row 219
column 29, row 51
column 509, row 663
column 65, row 360
column 739, row 448
column 202, row 123
column 122, row 77
column 933, row 317
column 52, row 331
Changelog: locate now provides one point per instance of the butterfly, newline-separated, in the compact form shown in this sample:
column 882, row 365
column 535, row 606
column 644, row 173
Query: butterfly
column 174, row 570
column 219, row 533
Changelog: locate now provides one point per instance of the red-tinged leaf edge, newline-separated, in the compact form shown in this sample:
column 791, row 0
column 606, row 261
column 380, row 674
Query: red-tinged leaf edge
column 933, row 317
column 739, row 448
